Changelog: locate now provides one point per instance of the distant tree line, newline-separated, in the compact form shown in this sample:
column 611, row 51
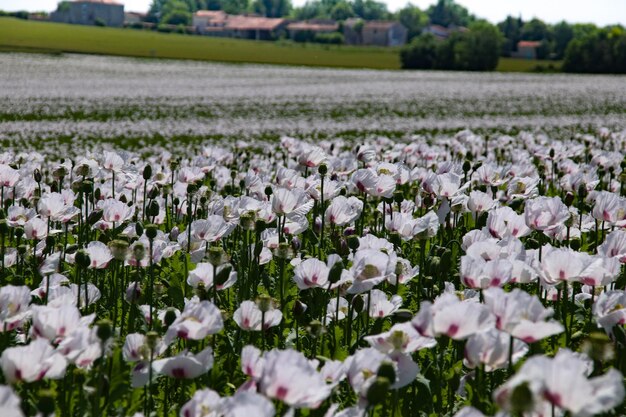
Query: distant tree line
column 599, row 51
column 476, row 49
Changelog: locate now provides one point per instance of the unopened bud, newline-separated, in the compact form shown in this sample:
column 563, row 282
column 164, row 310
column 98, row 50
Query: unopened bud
column 377, row 392
column 105, row 330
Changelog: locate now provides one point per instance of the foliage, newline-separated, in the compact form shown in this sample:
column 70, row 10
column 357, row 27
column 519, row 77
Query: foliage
column 414, row 19
column 420, row 53
column 272, row 8
column 475, row 50
column 334, row 38
column 602, row 51
column 448, row 13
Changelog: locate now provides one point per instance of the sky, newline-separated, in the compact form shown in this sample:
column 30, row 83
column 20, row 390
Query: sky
column 600, row 12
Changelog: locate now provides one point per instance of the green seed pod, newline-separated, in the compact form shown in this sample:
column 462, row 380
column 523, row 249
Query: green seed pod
column 264, row 302
column 386, row 370
column 82, row 259
column 105, row 330
column 119, row 249
column 322, row 169
column 377, row 392
column 46, row 400
column 151, row 231
column 521, row 399
column 170, row 316
column 335, row 272
column 223, row 274
column 353, row 242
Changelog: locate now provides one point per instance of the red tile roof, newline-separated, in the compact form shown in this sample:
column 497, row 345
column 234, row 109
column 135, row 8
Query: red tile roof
column 528, row 44
column 314, row 27
column 253, row 23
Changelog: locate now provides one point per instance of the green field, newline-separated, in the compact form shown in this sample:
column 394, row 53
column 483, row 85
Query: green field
column 30, row 36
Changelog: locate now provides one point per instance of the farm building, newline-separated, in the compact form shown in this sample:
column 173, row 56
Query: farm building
column 526, row 50
column 443, row 33
column 90, row 12
column 134, row 17
column 218, row 23
column 374, row 32
column 311, row 28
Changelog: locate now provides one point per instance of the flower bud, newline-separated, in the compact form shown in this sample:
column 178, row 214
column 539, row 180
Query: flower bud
column 105, row 330
column 46, row 400
column 170, row 316
column 153, row 208
column 353, row 242
column 223, row 274
column 95, row 217
column 4, row 227
column 299, row 308
column 147, row 172
column 358, row 304
column 386, row 370
column 82, row 259
column 154, row 192
column 395, row 239
column 377, row 392
column 521, row 399
column 37, row 175
column 334, row 275
column 467, row 165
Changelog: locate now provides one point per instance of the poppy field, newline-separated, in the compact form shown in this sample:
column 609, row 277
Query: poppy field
column 190, row 239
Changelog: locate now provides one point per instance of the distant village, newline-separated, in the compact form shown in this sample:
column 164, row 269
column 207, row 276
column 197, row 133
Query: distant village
column 248, row 26
column 352, row 31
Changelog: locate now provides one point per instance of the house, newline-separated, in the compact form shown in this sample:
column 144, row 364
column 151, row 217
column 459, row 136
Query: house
column 218, row 23
column 442, row 32
column 526, row 50
column 204, row 19
column 90, row 12
column 310, row 28
column 131, row 18
column 374, row 32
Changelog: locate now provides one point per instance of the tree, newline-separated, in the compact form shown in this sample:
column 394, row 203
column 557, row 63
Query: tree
column 535, row 30
column 481, row 47
column 414, row 19
column 420, row 53
column 309, row 10
column 235, row 6
column 175, row 12
column 370, row 9
column 563, row 33
column 511, row 29
column 272, row 8
column 341, row 11
column 600, row 51
column 447, row 12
